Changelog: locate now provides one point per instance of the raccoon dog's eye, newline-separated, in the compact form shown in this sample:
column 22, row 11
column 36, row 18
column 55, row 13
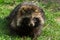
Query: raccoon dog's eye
column 36, row 19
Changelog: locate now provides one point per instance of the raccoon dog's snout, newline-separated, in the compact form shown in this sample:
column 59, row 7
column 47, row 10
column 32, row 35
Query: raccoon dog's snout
column 34, row 22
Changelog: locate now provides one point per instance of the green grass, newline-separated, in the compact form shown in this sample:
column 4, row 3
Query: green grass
column 51, row 30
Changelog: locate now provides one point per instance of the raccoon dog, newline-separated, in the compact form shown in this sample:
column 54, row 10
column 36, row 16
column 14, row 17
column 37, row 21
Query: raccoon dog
column 27, row 19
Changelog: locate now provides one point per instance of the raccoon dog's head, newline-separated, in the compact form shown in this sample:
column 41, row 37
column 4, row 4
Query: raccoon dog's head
column 30, row 15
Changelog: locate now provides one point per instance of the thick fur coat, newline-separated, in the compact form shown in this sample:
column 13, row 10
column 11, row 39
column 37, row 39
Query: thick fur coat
column 27, row 19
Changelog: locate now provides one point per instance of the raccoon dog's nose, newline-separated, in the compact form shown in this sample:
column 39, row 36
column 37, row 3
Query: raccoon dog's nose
column 31, row 24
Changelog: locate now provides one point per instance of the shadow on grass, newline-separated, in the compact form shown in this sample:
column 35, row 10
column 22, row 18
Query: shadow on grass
column 5, row 32
column 4, row 26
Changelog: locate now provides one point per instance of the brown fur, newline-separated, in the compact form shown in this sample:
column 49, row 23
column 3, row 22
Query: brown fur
column 27, row 19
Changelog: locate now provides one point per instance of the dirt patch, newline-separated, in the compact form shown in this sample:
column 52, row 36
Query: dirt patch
column 58, row 20
column 10, row 7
